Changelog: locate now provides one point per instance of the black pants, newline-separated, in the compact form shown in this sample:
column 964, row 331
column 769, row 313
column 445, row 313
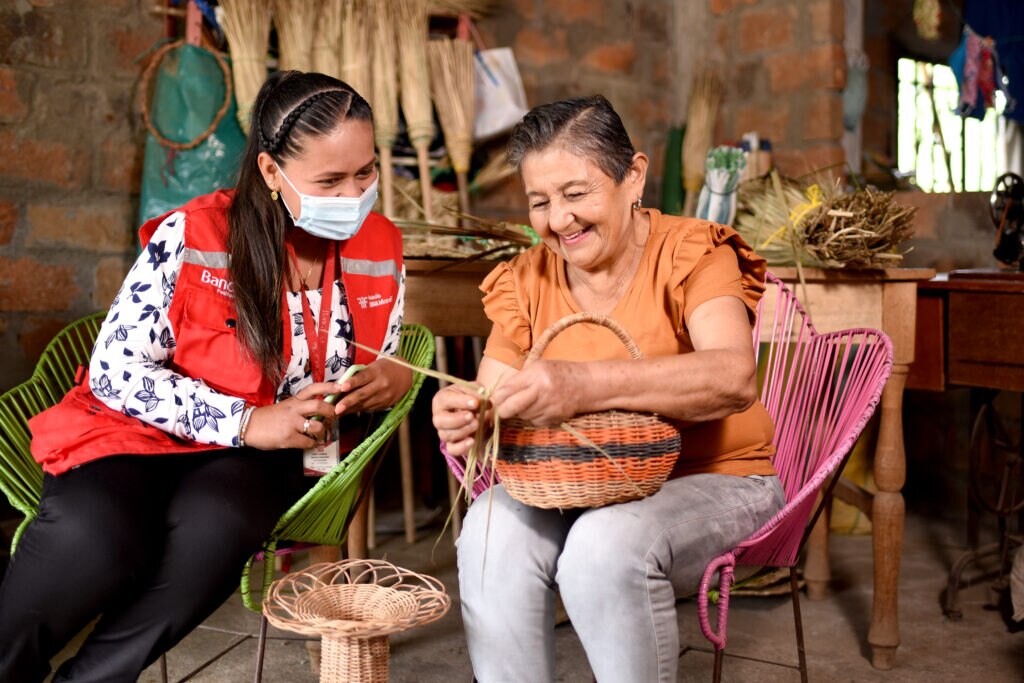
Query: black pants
column 153, row 543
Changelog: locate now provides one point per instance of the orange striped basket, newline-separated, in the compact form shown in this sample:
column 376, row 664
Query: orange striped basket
column 549, row 467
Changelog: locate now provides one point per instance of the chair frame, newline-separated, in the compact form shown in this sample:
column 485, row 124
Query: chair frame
column 320, row 517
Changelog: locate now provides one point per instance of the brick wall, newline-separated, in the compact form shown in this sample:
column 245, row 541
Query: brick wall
column 70, row 159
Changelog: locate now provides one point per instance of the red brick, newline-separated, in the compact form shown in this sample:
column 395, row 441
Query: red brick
column 120, row 166
column 47, row 161
column 538, row 47
column 823, row 116
column 43, row 37
column 828, row 21
column 720, row 7
column 91, row 227
column 8, row 220
column 527, row 9
column 770, row 120
column 818, row 67
column 12, row 105
column 617, row 57
column 110, row 274
column 36, row 333
column 824, row 159
column 29, row 285
column 650, row 113
column 121, row 46
column 770, row 28
column 571, row 11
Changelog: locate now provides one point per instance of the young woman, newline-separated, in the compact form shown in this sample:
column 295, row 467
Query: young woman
column 170, row 463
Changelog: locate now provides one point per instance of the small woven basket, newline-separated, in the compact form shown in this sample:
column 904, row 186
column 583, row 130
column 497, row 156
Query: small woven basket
column 354, row 606
column 548, row 467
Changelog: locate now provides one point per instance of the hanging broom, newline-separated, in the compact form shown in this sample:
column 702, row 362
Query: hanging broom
column 384, row 71
column 700, row 126
column 411, row 30
column 451, row 75
column 295, row 21
column 454, row 8
column 355, row 46
column 327, row 38
column 247, row 27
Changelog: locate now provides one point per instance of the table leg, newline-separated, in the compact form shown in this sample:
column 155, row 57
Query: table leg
column 817, row 571
column 887, row 518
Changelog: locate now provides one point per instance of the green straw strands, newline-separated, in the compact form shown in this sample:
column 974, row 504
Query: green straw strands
column 247, row 27
column 326, row 49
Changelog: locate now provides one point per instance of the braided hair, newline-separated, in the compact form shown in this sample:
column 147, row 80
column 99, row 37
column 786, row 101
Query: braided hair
column 291, row 109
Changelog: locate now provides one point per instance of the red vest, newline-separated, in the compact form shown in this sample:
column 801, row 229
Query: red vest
column 202, row 314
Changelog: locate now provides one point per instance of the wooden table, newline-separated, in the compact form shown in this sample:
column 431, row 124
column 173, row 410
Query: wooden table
column 448, row 302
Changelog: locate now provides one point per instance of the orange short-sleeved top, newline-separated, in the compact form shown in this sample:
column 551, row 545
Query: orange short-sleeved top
column 685, row 263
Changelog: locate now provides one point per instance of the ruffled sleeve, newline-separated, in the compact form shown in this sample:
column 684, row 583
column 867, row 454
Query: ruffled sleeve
column 715, row 261
column 511, row 338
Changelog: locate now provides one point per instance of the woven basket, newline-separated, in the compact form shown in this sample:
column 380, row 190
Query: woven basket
column 354, row 606
column 548, row 467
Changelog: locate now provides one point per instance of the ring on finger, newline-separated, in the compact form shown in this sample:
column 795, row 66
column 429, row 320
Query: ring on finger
column 305, row 428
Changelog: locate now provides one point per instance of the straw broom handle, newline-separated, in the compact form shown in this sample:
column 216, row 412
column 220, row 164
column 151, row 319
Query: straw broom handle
column 384, row 73
column 451, row 64
column 387, row 181
column 415, row 90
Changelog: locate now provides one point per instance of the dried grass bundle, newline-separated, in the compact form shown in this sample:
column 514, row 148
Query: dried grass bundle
column 763, row 211
column 384, row 75
column 451, row 75
column 355, row 47
column 495, row 170
column 862, row 229
column 247, row 27
column 453, row 8
column 295, row 21
column 327, row 39
column 411, row 30
column 700, row 126
column 409, row 202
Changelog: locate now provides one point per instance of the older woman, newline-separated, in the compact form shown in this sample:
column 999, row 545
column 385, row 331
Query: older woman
column 685, row 290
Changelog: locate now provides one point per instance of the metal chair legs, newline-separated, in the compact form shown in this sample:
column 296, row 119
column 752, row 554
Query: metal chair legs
column 794, row 590
column 261, row 647
column 717, row 675
column 163, row 668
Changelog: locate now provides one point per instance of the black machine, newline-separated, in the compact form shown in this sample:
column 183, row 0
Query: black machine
column 1007, row 206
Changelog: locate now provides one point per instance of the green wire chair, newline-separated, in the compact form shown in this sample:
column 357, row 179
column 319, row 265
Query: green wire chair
column 320, row 517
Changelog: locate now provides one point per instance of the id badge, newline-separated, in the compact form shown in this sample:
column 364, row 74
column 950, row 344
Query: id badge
column 321, row 459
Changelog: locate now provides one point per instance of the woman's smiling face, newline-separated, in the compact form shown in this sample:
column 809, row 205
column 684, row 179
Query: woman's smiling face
column 577, row 209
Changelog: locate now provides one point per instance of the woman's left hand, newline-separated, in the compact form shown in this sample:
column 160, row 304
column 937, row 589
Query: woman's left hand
column 542, row 393
column 377, row 386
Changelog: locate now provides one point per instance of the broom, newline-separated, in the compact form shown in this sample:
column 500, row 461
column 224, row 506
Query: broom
column 384, row 71
column 247, row 27
column 451, row 67
column 296, row 23
column 326, row 38
column 411, row 31
column 700, row 125
column 454, row 8
column 355, row 47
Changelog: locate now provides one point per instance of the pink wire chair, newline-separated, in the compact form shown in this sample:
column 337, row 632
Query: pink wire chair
column 821, row 390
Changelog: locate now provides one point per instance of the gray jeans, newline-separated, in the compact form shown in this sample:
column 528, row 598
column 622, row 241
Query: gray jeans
column 618, row 569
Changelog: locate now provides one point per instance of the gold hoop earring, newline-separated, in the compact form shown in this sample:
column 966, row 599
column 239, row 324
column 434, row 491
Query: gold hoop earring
column 274, row 195
column 637, row 204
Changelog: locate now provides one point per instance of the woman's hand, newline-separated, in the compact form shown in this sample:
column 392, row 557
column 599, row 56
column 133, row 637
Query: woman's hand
column 379, row 385
column 543, row 392
column 456, row 418
column 280, row 425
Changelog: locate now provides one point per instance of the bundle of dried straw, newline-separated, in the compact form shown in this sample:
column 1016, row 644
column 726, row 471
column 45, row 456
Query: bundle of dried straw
column 411, row 29
column 247, row 27
column 700, row 126
column 355, row 47
column 454, row 8
column 862, row 229
column 327, row 39
column 451, row 67
column 296, row 23
column 384, row 71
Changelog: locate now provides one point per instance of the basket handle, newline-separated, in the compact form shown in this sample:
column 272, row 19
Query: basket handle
column 585, row 317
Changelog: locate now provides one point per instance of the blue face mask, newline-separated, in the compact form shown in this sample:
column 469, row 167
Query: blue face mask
column 333, row 218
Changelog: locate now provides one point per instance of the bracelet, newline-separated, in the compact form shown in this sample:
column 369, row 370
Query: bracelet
column 243, row 425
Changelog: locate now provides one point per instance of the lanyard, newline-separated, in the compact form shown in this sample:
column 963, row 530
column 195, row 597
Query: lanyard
column 316, row 337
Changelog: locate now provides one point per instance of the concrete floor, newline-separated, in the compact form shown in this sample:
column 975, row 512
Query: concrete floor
column 934, row 649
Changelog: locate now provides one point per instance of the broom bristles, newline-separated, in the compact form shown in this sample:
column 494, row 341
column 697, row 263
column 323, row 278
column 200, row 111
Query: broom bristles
column 700, row 125
column 411, row 31
column 384, row 71
column 247, row 28
column 296, row 23
column 327, row 39
column 451, row 66
column 453, row 8
column 355, row 47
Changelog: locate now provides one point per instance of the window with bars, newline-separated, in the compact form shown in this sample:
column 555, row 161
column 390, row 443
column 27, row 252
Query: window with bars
column 944, row 152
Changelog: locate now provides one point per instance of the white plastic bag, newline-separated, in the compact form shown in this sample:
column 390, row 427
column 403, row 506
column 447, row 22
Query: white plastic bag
column 500, row 98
